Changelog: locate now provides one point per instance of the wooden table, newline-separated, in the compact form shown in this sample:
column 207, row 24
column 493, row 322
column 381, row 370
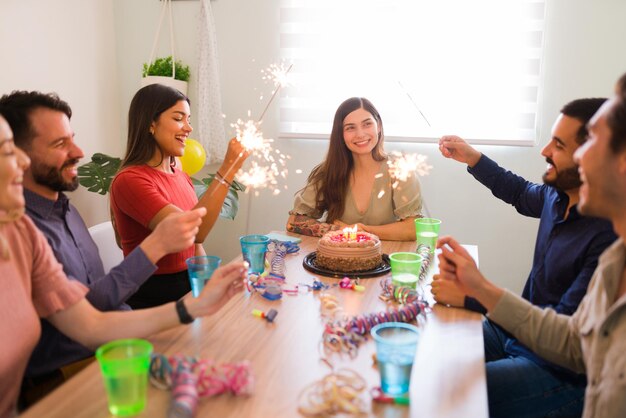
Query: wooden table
column 448, row 377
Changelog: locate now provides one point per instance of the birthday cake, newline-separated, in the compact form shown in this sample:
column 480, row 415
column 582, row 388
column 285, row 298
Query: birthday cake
column 348, row 252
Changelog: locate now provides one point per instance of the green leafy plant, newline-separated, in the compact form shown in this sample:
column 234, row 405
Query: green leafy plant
column 163, row 67
column 97, row 175
column 231, row 202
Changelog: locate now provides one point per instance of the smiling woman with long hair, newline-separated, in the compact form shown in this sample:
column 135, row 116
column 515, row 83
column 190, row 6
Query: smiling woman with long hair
column 150, row 186
column 353, row 184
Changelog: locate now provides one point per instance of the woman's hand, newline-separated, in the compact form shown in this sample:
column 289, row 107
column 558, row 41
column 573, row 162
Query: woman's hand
column 340, row 224
column 236, row 155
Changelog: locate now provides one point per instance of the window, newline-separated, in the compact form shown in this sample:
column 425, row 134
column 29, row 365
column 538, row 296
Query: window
column 431, row 67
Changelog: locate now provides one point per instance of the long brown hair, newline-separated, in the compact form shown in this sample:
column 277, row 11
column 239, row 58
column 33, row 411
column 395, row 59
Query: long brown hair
column 332, row 176
column 146, row 107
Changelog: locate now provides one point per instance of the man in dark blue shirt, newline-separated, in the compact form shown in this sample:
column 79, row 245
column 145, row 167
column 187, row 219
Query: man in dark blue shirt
column 41, row 127
column 568, row 245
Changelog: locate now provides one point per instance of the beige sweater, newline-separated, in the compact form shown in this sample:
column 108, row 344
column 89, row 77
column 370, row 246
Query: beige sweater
column 592, row 340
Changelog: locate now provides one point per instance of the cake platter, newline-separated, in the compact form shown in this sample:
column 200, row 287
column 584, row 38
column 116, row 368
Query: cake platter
column 309, row 264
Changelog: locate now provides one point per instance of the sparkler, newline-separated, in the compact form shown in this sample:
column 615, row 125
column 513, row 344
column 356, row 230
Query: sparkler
column 278, row 74
column 414, row 104
column 249, row 134
column 402, row 166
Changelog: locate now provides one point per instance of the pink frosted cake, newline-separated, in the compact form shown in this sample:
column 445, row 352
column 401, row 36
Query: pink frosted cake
column 337, row 252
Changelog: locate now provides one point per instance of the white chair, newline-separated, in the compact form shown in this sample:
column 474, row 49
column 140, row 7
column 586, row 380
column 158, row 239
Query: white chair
column 104, row 237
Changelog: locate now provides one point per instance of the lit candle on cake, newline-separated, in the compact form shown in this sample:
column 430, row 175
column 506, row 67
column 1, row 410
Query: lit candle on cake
column 349, row 234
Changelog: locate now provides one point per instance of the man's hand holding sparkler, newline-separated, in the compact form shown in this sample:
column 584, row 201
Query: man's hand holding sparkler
column 452, row 146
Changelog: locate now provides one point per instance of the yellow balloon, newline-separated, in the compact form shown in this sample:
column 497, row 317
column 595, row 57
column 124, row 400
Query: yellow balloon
column 193, row 158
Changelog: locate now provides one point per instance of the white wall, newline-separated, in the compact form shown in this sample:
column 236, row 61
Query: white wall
column 94, row 62
column 67, row 47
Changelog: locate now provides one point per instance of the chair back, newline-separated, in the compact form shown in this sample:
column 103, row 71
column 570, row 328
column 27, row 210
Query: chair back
column 104, row 237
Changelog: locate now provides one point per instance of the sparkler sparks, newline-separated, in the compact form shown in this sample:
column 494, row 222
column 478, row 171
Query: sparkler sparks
column 250, row 136
column 402, row 166
column 260, row 148
column 278, row 74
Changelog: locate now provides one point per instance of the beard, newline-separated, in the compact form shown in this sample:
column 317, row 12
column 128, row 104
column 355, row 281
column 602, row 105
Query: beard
column 52, row 177
column 566, row 179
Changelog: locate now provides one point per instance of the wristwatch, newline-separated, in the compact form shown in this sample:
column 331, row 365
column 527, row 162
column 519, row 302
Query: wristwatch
column 183, row 314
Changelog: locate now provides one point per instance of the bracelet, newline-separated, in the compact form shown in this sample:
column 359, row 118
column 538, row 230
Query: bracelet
column 183, row 313
column 222, row 180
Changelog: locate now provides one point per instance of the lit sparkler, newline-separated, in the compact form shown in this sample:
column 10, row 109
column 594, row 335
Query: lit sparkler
column 249, row 134
column 402, row 166
column 279, row 75
column 414, row 104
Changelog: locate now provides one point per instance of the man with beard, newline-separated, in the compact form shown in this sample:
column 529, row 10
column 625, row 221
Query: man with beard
column 566, row 254
column 41, row 127
column 593, row 339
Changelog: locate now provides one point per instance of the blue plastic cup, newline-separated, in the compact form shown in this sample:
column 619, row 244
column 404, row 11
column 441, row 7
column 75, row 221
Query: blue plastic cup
column 396, row 344
column 253, row 249
column 200, row 270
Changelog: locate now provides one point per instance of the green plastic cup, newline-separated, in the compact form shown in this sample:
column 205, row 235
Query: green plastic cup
column 200, row 270
column 427, row 232
column 125, row 365
column 405, row 269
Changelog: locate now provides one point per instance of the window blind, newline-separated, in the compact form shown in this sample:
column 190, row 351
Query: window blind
column 431, row 67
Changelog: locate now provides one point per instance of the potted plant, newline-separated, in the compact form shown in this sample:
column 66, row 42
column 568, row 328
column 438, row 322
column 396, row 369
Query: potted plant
column 97, row 175
column 165, row 71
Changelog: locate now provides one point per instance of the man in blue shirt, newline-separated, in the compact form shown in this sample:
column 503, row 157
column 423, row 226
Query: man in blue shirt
column 566, row 254
column 41, row 127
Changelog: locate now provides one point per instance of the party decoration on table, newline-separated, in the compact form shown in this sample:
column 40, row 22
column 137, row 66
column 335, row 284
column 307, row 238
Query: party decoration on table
column 191, row 378
column 346, row 283
column 276, row 252
column 336, row 393
column 427, row 258
column 329, row 305
column 193, row 158
column 269, row 317
column 380, row 397
column 184, row 393
column 272, row 291
column 399, row 294
column 345, row 336
column 317, row 285
column 269, row 288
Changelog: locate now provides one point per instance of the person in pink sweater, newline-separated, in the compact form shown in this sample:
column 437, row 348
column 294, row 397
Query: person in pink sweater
column 34, row 286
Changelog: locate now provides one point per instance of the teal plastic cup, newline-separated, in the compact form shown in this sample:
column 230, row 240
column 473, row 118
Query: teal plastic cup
column 427, row 232
column 124, row 365
column 405, row 269
column 200, row 270
column 396, row 344
column 253, row 249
